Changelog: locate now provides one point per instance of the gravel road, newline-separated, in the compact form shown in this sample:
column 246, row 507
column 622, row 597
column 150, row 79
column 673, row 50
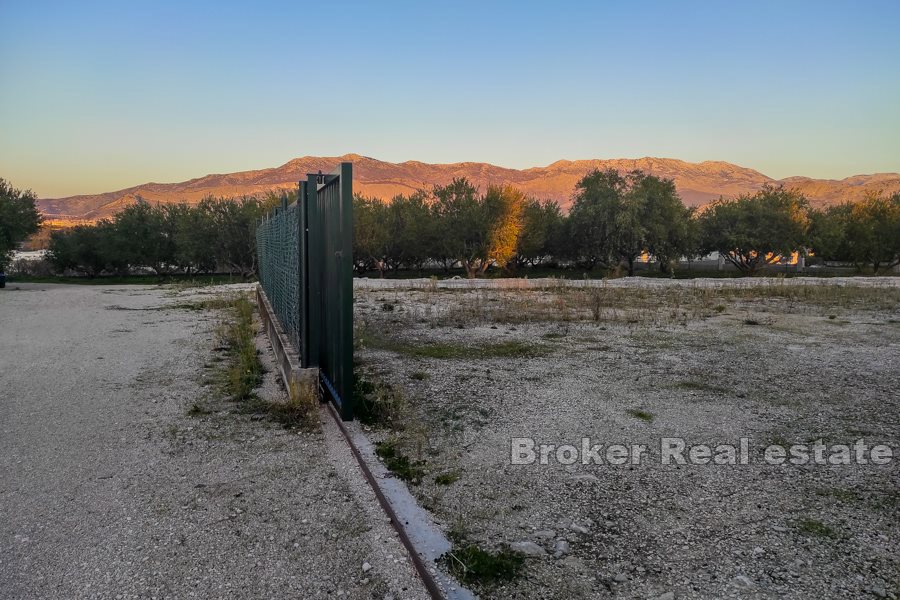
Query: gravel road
column 108, row 489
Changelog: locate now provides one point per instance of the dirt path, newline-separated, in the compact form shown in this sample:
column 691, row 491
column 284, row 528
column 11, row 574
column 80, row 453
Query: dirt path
column 108, row 489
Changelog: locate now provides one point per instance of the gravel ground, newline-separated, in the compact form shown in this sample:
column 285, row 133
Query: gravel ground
column 638, row 362
column 108, row 489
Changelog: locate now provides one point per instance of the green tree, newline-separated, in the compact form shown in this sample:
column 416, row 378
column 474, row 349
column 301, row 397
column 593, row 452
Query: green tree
column 370, row 234
column 78, row 249
column 828, row 232
column 754, row 231
column 19, row 218
column 194, row 236
column 664, row 225
column 617, row 218
column 233, row 222
column 594, row 217
column 410, row 231
column 143, row 237
column 478, row 231
column 873, row 231
column 541, row 226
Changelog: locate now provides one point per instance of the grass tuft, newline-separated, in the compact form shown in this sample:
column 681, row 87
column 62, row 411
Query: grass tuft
column 378, row 403
column 244, row 371
column 399, row 464
column 641, row 414
column 700, row 386
column 301, row 411
column 197, row 409
column 469, row 564
column 448, row 478
column 816, row 528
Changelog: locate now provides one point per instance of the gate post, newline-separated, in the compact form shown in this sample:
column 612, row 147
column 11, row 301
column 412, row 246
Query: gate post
column 303, row 266
column 314, row 270
column 344, row 371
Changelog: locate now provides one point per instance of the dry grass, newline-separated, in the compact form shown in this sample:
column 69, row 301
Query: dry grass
column 655, row 305
column 301, row 409
column 243, row 371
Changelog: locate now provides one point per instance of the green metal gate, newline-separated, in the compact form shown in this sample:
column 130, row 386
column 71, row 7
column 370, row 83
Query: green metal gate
column 306, row 270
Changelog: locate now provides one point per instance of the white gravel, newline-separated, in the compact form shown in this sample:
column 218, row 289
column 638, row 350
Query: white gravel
column 108, row 489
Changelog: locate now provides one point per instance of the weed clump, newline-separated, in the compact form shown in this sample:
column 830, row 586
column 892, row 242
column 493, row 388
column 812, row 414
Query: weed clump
column 399, row 464
column 238, row 335
column 198, row 410
column 641, row 414
column 815, row 528
column 301, row 409
column 469, row 564
column 377, row 403
column 448, row 478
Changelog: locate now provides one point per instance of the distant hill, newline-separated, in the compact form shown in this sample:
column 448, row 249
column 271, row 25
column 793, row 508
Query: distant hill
column 697, row 183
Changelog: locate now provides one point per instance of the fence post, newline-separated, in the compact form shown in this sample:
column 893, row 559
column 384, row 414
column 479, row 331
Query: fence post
column 314, row 268
column 303, row 265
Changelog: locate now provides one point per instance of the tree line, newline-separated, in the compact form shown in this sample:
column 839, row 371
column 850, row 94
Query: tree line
column 215, row 236
column 615, row 219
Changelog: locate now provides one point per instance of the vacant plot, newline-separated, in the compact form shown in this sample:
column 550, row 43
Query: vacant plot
column 465, row 371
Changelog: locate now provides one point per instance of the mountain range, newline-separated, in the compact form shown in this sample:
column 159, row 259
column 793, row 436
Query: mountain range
column 697, row 183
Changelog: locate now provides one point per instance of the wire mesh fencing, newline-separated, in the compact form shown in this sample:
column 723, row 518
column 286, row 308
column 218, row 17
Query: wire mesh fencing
column 278, row 245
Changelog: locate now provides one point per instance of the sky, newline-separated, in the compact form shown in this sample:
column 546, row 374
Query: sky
column 99, row 96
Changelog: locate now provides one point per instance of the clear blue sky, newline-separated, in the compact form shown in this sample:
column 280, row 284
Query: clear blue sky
column 96, row 96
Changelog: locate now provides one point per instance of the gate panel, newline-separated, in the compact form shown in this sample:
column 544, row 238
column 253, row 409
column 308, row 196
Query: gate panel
column 330, row 291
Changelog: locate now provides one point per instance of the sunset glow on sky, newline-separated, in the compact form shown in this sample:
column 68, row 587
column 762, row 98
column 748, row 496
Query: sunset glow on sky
column 98, row 96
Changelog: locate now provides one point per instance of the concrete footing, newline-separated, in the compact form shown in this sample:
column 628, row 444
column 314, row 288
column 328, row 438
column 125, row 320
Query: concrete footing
column 286, row 355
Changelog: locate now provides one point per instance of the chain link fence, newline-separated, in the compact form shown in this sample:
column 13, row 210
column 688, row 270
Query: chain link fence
column 278, row 245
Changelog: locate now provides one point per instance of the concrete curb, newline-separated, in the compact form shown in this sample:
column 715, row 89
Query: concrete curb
column 286, row 355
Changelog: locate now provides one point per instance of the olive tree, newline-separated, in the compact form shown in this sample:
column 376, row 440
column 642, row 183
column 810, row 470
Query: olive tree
column 755, row 231
column 19, row 218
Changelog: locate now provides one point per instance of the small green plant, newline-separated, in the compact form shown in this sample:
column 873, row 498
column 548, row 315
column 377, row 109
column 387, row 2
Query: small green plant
column 719, row 308
column 197, row 409
column 378, row 403
column 844, row 495
column 700, row 386
column 641, row 414
column 815, row 528
column 751, row 322
column 398, row 463
column 469, row 564
column 419, row 375
column 448, row 478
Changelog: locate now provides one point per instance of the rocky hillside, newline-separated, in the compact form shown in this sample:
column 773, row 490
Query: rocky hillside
column 698, row 183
